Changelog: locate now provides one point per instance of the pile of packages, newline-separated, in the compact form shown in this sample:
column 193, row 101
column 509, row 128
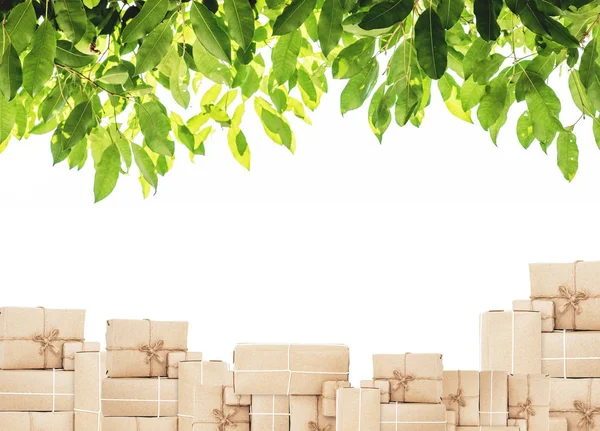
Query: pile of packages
column 539, row 368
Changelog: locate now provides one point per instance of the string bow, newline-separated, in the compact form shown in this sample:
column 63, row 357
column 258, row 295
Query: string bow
column 458, row 398
column 46, row 341
column 587, row 414
column 225, row 419
column 526, row 408
column 573, row 298
column 152, row 350
column 313, row 426
column 403, row 380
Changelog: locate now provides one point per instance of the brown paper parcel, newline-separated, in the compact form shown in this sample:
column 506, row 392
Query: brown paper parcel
column 72, row 347
column 519, row 423
column 211, row 413
column 511, row 341
column 487, row 428
column 577, row 400
column 529, row 399
column 192, row 373
column 233, row 399
column 413, row 417
column 575, row 290
column 139, row 348
column 90, row 370
column 294, row 369
column 413, row 377
column 306, row 414
column 461, row 395
column 33, row 338
column 558, row 424
column 36, row 390
column 450, row 420
column 143, row 397
column 493, row 398
column 328, row 397
column 174, row 358
column 36, row 421
column 139, row 424
column 270, row 413
column 571, row 354
column 543, row 306
column 358, row 409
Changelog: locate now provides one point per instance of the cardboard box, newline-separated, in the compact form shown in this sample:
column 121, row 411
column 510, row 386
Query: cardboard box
column 140, row 424
column 413, row 417
column 211, row 413
column 143, row 397
column 543, row 306
column 575, row 290
column 571, row 354
column 270, row 413
column 33, row 338
column 36, row 421
column 576, row 400
column 461, row 395
column 90, row 370
column 233, row 399
column 558, row 424
column 413, row 377
column 450, row 420
column 358, row 409
column 306, row 414
column 139, row 348
column 529, row 399
column 511, row 341
column 328, row 397
column 72, row 347
column 493, row 398
column 382, row 385
column 174, row 358
column 36, row 390
column 278, row 369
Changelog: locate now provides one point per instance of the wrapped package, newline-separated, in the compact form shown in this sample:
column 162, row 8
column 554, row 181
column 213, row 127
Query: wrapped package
column 306, row 414
column 139, row 348
column 142, row 397
column 543, row 306
column 90, row 370
column 174, row 358
column 139, row 424
column 270, row 413
column 359, row 409
column 413, row 377
column 511, row 341
column 36, row 421
column 382, row 385
column 486, row 428
column 413, row 417
column 558, row 424
column 576, row 400
column 328, row 396
column 72, row 347
column 493, row 398
column 574, row 289
column 461, row 395
column 571, row 354
column 36, row 390
column 450, row 420
column 33, row 338
column 211, row 413
column 278, row 369
column 529, row 399
column 233, row 399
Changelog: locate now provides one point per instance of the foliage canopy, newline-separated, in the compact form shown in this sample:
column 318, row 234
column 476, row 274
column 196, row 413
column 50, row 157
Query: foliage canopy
column 87, row 72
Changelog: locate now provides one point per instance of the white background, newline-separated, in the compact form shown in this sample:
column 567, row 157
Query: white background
column 389, row 248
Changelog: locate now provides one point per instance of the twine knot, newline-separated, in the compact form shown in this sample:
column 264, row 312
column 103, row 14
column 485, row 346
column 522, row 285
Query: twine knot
column 458, row 398
column 587, row 414
column 526, row 408
column 152, row 350
column 313, row 426
column 46, row 341
column 403, row 380
column 573, row 298
column 225, row 419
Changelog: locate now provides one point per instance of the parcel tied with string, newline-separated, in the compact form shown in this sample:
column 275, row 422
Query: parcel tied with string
column 328, row 397
column 570, row 354
column 90, row 370
column 306, row 414
column 270, row 413
column 139, row 397
column 413, row 377
column 36, row 390
column 578, row 401
column 461, row 395
column 72, row 347
column 139, row 424
column 358, row 409
column 543, row 306
column 37, row 421
column 414, row 417
column 493, row 398
column 212, row 414
column 529, row 399
column 33, row 338
column 139, row 348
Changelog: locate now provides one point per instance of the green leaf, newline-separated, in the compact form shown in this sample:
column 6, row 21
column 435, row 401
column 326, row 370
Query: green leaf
column 450, row 92
column 122, row 144
column 478, row 52
column 492, row 102
column 409, row 98
column 107, row 173
column 386, row 14
column 275, row 126
column 11, row 74
column 116, row 75
column 579, row 95
column 544, row 108
column 560, row 34
column 359, row 87
column 486, row 18
column 525, row 130
column 19, row 27
column 430, row 43
column 71, row 18
column 567, row 154
column 39, row 63
column 8, row 116
column 210, row 67
column 238, row 146
column 330, row 26
column 150, row 16
column 534, row 19
column 208, row 32
column 353, row 59
column 379, row 112
column 155, row 126
column 54, row 102
column 79, row 123
column 588, row 65
column 470, row 94
column 487, row 68
column 145, row 165
column 293, row 16
column 596, row 131
column 307, row 89
column 450, row 11
column 285, row 55
column 68, row 56
column 240, row 18
column 154, row 48
column 178, row 83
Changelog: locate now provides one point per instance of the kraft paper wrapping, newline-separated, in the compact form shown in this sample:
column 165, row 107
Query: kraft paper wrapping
column 72, row 347
column 521, row 424
column 382, row 385
column 36, row 421
column 413, row 417
column 574, row 289
column 233, row 399
column 529, row 399
column 140, row 424
column 142, row 397
column 328, row 396
column 139, row 348
column 413, row 377
column 174, row 358
column 36, row 390
column 577, row 400
column 558, row 424
column 487, row 428
column 90, row 370
column 33, row 338
column 306, row 414
column 211, row 413
column 493, row 398
column 543, row 306
column 450, row 420
column 359, row 409
column 571, row 354
column 192, row 373
column 461, row 395
column 511, row 341
column 293, row 369
column 270, row 413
